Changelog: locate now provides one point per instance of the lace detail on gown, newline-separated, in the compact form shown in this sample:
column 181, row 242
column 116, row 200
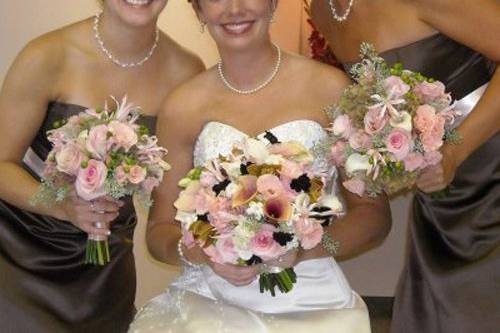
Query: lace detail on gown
column 200, row 301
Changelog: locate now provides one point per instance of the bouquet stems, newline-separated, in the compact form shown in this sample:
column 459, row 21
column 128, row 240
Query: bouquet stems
column 284, row 280
column 97, row 252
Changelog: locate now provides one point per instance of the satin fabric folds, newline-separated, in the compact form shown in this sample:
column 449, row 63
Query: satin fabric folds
column 451, row 280
column 44, row 285
column 202, row 302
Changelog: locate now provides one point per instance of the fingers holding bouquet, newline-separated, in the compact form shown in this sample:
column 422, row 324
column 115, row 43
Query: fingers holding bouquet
column 437, row 177
column 388, row 129
column 99, row 156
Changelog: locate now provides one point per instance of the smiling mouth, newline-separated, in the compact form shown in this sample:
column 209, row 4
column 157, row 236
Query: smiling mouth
column 237, row 28
column 138, row 3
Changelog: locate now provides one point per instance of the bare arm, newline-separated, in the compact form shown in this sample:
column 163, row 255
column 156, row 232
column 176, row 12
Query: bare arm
column 368, row 220
column 175, row 132
column 364, row 227
column 470, row 23
column 24, row 97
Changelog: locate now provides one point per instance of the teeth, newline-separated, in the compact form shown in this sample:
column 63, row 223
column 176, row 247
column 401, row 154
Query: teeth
column 138, row 2
column 237, row 27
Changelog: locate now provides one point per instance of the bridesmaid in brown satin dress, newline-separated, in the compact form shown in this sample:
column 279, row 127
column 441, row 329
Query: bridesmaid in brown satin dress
column 451, row 279
column 45, row 286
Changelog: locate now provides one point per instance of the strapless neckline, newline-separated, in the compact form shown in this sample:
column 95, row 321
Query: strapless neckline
column 277, row 127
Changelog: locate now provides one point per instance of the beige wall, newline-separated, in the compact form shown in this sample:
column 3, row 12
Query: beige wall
column 374, row 273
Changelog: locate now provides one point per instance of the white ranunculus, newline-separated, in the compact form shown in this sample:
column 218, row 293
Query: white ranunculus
column 186, row 219
column 232, row 169
column 405, row 122
column 256, row 209
column 357, row 162
column 256, row 150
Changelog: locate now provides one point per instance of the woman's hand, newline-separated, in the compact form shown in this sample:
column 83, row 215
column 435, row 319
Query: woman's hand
column 92, row 217
column 439, row 176
column 235, row 274
column 289, row 259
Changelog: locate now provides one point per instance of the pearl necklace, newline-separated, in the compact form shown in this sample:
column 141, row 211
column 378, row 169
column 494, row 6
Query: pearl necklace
column 334, row 11
column 259, row 87
column 112, row 57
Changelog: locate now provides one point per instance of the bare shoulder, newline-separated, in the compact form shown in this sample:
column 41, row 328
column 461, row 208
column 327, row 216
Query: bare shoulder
column 186, row 63
column 323, row 81
column 185, row 103
column 41, row 55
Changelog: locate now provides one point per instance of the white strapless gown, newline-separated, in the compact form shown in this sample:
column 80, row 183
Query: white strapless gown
column 202, row 302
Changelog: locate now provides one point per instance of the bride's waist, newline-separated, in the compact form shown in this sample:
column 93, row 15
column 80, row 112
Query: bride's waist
column 320, row 285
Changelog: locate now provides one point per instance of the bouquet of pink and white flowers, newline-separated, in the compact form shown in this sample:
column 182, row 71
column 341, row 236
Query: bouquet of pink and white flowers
column 266, row 198
column 388, row 126
column 102, row 152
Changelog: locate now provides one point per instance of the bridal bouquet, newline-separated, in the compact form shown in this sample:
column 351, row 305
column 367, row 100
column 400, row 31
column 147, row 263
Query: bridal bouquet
column 266, row 198
column 102, row 152
column 388, row 126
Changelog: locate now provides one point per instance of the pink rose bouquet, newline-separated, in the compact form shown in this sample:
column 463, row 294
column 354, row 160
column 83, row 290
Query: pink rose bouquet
column 102, row 152
column 388, row 126
column 266, row 198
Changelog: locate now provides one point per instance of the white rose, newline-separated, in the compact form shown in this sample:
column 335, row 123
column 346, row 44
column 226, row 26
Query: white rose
column 273, row 160
column 357, row 162
column 405, row 122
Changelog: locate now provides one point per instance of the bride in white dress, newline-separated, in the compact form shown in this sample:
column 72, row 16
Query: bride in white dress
column 256, row 88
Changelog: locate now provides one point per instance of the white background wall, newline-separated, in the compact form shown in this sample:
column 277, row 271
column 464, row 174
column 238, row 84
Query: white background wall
column 374, row 273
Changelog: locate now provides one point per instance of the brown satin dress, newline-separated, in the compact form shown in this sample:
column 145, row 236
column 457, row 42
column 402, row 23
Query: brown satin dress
column 451, row 279
column 44, row 284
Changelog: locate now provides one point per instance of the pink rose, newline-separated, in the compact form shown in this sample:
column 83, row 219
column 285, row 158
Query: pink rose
column 290, row 169
column 120, row 175
column 413, row 161
column 69, row 159
column 355, row 186
column 360, row 141
column 374, row 121
column 432, row 158
column 124, row 136
column 398, row 143
column 263, row 245
column 309, row 232
column 90, row 181
column 396, row 86
column 207, row 179
column 429, row 92
column 225, row 248
column 338, row 153
column 204, row 200
column 269, row 186
column 97, row 141
column 136, row 174
column 342, row 126
column 221, row 220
